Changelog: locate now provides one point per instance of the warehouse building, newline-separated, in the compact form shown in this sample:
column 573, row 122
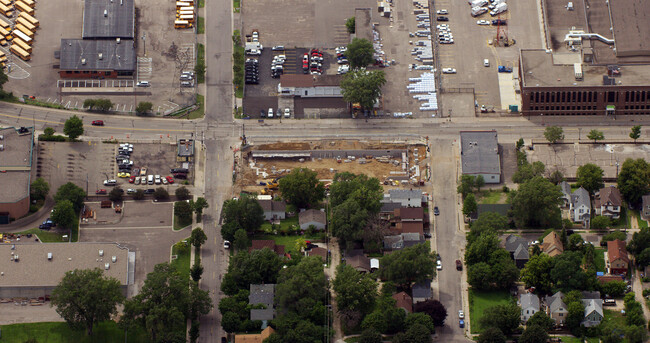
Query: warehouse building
column 479, row 152
column 597, row 61
column 16, row 159
column 32, row 270
column 109, row 19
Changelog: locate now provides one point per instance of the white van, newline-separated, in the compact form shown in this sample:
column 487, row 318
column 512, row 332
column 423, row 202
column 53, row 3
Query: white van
column 486, row 62
column 150, row 179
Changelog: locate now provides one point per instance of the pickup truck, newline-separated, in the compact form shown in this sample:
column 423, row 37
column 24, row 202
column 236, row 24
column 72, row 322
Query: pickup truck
column 504, row 69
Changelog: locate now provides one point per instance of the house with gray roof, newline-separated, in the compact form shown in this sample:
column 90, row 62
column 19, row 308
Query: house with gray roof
column 593, row 312
column 421, row 291
column 556, row 309
column 317, row 218
column 262, row 295
column 480, row 155
column 405, row 197
column 518, row 249
column 565, row 187
column 273, row 210
column 580, row 207
column 608, row 202
column 645, row 212
column 403, row 240
column 529, row 304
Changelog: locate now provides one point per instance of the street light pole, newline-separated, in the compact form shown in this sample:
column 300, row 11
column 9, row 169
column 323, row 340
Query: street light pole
column 144, row 40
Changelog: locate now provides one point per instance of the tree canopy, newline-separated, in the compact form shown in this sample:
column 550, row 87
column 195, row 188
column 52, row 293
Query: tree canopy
column 487, row 222
column 198, row 237
column 504, row 317
column 634, row 180
column 360, row 52
column 74, row 127
column 256, row 267
column 434, row 309
column 72, row 192
column 536, row 203
column 39, row 189
column 302, row 188
column 640, row 241
column 63, row 214
column 243, row 213
column 635, row 132
column 301, row 286
column 354, row 291
column 596, row 135
column 534, row 334
column 469, row 204
column 85, row 297
column 554, row 134
column 362, row 86
column 409, row 265
column 590, row 177
column 527, row 171
column 491, row 335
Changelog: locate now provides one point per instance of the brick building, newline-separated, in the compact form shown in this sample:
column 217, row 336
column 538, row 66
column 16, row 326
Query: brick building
column 16, row 158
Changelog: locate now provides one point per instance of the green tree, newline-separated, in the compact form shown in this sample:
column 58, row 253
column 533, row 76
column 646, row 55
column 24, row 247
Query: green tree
column 614, row 289
column 491, row 335
column 85, row 297
column 256, row 267
column 482, row 249
column 596, row 135
column 362, row 86
column 556, row 177
column 542, row 320
column 72, row 192
column 554, row 134
column 90, row 103
column 536, row 203
column 567, row 273
column 487, row 222
column 534, row 334
column 49, row 131
column 196, row 271
column 103, row 105
column 640, row 241
column 302, row 188
column 600, row 223
column 143, row 107
column 636, row 334
column 634, row 180
column 301, row 286
column 360, row 52
column 575, row 242
column 479, row 276
column 590, row 176
column 38, row 189
column 116, row 194
column 421, row 319
column 64, row 215
column 635, row 132
column 614, row 235
column 643, row 258
column 418, row 333
column 160, row 194
column 504, row 317
column 182, row 193
column 466, row 184
column 74, row 127
column 350, row 25
column 243, row 213
column 354, row 291
column 409, row 265
column 139, row 194
column 375, row 321
column 434, row 309
column 183, row 211
column 469, row 204
column 479, row 182
column 241, row 240
column 537, row 273
column 370, row 335
column 198, row 237
column 199, row 205
column 528, row 171
column 230, row 322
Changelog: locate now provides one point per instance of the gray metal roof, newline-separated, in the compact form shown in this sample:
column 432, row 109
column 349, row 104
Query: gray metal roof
column 480, row 152
column 79, row 54
column 592, row 305
column 262, row 314
column 580, row 197
column 566, row 188
column 109, row 19
column 521, row 253
column 389, row 206
column 512, row 242
column 529, row 300
column 262, row 294
column 422, row 289
column 555, row 303
column 185, row 147
column 405, row 194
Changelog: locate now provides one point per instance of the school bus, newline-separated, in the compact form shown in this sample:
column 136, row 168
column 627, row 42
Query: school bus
column 182, row 24
column 24, row 37
column 22, row 45
column 23, row 8
column 189, row 18
column 20, row 53
column 29, row 18
column 3, row 57
column 6, row 3
column 25, row 23
column 25, row 30
column 4, row 32
column 5, row 25
column 189, row 8
column 29, row 3
column 185, row 13
column 182, row 4
column 6, row 10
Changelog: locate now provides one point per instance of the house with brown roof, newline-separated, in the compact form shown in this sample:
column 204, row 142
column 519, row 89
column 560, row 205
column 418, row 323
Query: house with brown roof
column 357, row 260
column 273, row 210
column 259, row 244
column 409, row 220
column 403, row 300
column 317, row 251
column 617, row 259
column 552, row 244
column 608, row 202
column 254, row 338
column 317, row 218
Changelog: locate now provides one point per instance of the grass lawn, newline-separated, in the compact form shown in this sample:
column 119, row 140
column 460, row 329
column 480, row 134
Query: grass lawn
column 480, row 301
column 284, row 224
column 236, row 5
column 571, row 339
column 490, row 197
column 624, row 221
column 182, row 261
column 201, row 3
column 599, row 259
column 200, row 26
column 45, row 236
column 178, row 224
column 200, row 60
column 289, row 242
column 106, row 332
column 200, row 111
column 642, row 223
column 611, row 316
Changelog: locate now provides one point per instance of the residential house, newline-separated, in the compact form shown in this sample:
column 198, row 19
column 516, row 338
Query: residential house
column 403, row 240
column 529, row 304
column 552, row 244
column 387, row 209
column 479, row 152
column 255, row 337
column 406, row 197
column 409, row 220
column 317, row 251
column 565, row 187
column 518, row 249
column 317, row 218
column 273, row 210
column 645, row 211
column 259, row 244
column 608, row 202
column 262, row 295
column 603, row 279
column 358, row 260
column 593, row 312
column 556, row 309
column 580, row 207
column 403, row 300
column 422, row 291
column 617, row 259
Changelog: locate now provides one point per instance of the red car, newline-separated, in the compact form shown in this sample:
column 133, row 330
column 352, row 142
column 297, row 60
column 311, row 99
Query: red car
column 305, row 58
column 98, row 122
column 132, row 179
column 170, row 179
column 101, row 191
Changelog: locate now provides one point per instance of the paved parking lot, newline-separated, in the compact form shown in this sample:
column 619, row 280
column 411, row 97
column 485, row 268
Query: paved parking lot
column 135, row 214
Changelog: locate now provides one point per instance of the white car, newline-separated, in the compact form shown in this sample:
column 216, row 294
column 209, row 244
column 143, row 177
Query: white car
column 143, row 84
column 226, row 244
column 270, row 113
column 344, row 68
column 450, row 41
column 438, row 265
column 448, row 71
column 483, row 22
column 130, row 191
column 287, row 112
column 461, row 314
column 341, row 49
column 442, row 12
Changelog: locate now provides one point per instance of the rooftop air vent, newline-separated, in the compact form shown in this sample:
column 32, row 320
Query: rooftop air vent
column 100, row 56
column 105, row 13
column 83, row 61
column 49, row 256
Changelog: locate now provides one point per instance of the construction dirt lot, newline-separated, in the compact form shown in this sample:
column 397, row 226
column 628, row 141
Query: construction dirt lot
column 328, row 158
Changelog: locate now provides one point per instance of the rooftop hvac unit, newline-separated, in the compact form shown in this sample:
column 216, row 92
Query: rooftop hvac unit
column 2, row 137
column 114, row 259
column 16, row 258
column 100, row 56
column 2, row 147
column 101, row 253
column 49, row 256
column 117, row 40
column 105, row 13
column 83, row 61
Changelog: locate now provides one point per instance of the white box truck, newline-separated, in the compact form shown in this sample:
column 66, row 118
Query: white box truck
column 477, row 11
column 500, row 8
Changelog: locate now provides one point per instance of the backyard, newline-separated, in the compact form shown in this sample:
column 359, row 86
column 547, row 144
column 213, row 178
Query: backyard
column 599, row 259
column 492, row 197
column 60, row 332
column 479, row 301
column 289, row 242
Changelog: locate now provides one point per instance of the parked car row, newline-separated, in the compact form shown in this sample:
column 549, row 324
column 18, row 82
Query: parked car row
column 342, row 60
column 279, row 113
column 479, row 7
column 277, row 65
column 251, row 69
column 444, row 34
column 312, row 62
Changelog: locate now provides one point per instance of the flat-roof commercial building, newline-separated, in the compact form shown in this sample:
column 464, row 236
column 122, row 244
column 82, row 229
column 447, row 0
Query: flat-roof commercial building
column 109, row 19
column 34, row 269
column 480, row 155
column 16, row 158
column 597, row 62
column 83, row 58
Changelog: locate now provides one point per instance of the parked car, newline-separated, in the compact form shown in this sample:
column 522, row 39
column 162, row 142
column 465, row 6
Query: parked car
column 130, row 191
column 482, row 22
column 436, row 211
column 461, row 315
column 278, row 48
column 143, row 84
column 170, row 179
column 461, row 323
column 448, row 70
column 442, row 12
column 132, row 179
column 110, row 182
column 442, row 18
column 101, row 191
column 427, row 235
column 439, row 265
column 459, row 265
column 226, row 244
column 98, row 122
